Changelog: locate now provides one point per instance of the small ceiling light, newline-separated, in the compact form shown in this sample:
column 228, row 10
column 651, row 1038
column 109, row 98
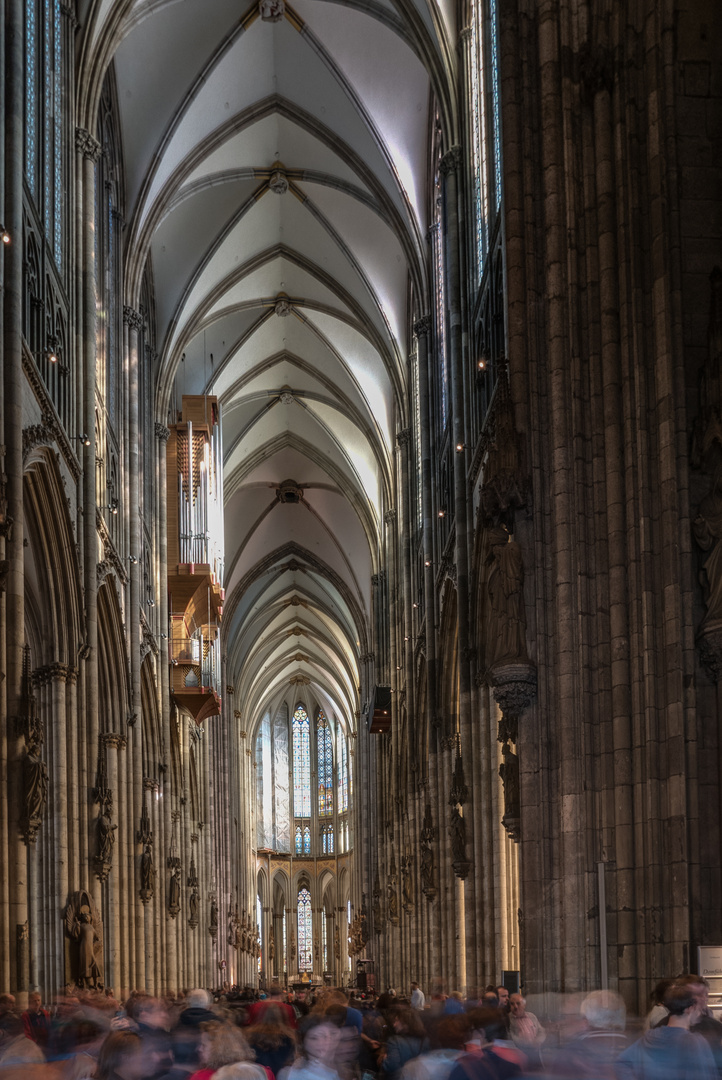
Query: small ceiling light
column 4, row 235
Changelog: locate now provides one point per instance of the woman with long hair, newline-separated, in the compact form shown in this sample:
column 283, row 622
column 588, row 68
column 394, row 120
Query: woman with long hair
column 121, row 1057
column 221, row 1044
column 272, row 1039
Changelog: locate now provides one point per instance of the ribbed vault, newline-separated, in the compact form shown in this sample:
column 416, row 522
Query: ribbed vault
column 276, row 191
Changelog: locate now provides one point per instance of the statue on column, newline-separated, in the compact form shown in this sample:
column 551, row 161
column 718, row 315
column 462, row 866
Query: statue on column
column 83, row 927
column 506, row 633
column 174, row 893
column 35, row 777
column 147, row 874
column 707, row 527
column 391, row 894
column 509, row 773
column 337, row 943
column 213, row 921
column 428, row 835
column 193, row 910
column 457, row 831
column 407, row 897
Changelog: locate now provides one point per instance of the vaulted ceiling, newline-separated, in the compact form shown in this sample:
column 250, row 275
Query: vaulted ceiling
column 276, row 166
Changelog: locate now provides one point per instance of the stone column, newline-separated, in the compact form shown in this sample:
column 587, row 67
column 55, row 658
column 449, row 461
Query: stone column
column 88, row 152
column 422, row 328
column 17, row 970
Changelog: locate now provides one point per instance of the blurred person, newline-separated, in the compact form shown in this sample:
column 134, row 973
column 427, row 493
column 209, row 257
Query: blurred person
column 185, row 1050
column 36, row 1020
column 257, row 1010
column 489, row 1000
column 503, row 995
column 447, row 1044
column 658, row 1012
column 242, row 1070
column 593, row 1051
column 272, row 1039
column 454, row 1003
column 15, row 1047
column 418, row 999
column 221, row 1044
column 407, row 1041
column 671, row 1051
column 319, row 1042
column 705, row 1025
column 120, row 1057
column 524, row 1027
column 152, row 1022
column 197, row 1010
column 490, row 1056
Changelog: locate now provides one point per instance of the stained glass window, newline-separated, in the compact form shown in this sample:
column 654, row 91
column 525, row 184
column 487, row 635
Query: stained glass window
column 305, row 931
column 301, row 763
column 259, row 922
column 31, row 94
column 438, row 241
column 307, row 840
column 324, row 748
column 285, row 967
column 324, row 938
column 478, row 142
column 299, row 840
column 327, row 839
column 282, row 830
column 495, row 99
column 264, row 785
column 342, row 773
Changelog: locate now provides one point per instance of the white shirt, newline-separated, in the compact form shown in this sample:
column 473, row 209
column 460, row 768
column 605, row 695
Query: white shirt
column 417, row 999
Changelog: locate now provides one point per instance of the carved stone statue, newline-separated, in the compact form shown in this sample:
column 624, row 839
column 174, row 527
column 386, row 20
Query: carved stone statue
column 428, row 835
column 231, row 938
column 407, row 894
column 337, row 943
column 271, row 947
column 392, row 895
column 80, row 926
column 292, row 945
column 458, row 836
column 35, row 781
column 506, row 634
column 193, row 910
column 509, row 773
column 174, row 893
column 213, row 921
column 147, row 875
column 272, row 10
column 707, row 527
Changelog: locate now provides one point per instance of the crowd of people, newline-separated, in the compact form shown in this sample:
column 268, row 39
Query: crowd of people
column 334, row 1034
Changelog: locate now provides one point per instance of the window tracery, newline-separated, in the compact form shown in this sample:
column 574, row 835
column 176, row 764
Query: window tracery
column 301, row 763
column 324, row 750
column 305, row 930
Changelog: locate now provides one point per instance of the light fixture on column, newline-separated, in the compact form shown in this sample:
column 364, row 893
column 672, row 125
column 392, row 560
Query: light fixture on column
column 113, row 506
column 132, row 560
column 151, row 602
column 83, row 439
column 52, row 355
column 4, row 235
column 442, row 513
column 460, row 447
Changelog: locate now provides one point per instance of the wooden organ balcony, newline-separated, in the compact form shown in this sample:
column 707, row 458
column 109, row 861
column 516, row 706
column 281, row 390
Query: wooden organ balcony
column 195, row 556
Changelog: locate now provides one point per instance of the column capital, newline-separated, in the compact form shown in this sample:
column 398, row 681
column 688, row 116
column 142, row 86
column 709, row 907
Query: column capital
column 390, row 517
column 422, row 326
column 133, row 318
column 451, row 161
column 88, row 146
column 403, row 437
column 114, row 738
column 161, row 431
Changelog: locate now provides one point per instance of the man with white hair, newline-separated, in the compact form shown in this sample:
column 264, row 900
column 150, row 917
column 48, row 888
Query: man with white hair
column 197, row 1010
column 524, row 1026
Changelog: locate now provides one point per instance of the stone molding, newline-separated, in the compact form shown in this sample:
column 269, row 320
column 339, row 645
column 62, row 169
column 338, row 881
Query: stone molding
column 133, row 318
column 422, row 326
column 161, row 431
column 451, row 161
column 88, row 146
column 403, row 437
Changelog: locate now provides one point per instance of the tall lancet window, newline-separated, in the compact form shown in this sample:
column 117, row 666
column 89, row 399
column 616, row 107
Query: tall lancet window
column 478, row 137
column 324, row 747
column 301, row 763
column 45, row 143
column 342, row 758
column 305, row 931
